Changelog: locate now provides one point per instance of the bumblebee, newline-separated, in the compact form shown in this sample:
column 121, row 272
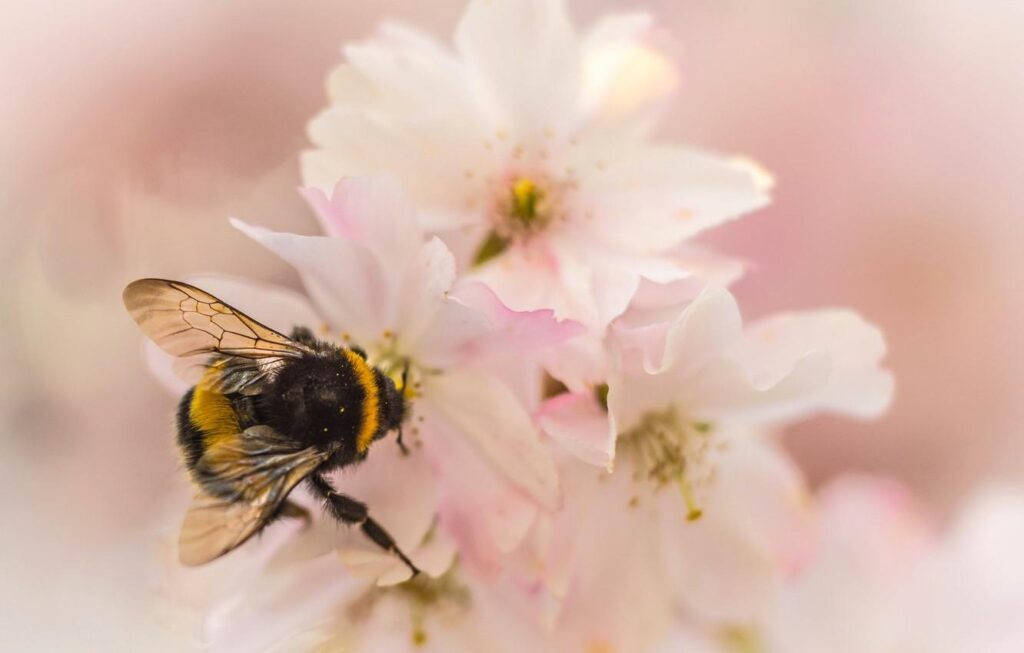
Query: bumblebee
column 267, row 413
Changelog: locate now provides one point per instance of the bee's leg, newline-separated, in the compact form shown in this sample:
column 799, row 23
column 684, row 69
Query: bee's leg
column 351, row 511
column 405, row 382
column 401, row 443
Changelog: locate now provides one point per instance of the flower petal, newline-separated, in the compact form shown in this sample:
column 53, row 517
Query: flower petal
column 726, row 390
column 753, row 531
column 483, row 412
column 512, row 333
column 705, row 328
column 372, row 211
column 652, row 198
column 485, row 513
column 580, row 363
column 525, row 60
column 580, row 425
column 423, row 285
column 858, row 385
column 343, row 278
column 281, row 608
column 624, row 74
column 354, row 142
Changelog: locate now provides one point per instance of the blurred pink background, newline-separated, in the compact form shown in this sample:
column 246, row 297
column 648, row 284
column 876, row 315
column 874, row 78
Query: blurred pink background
column 132, row 130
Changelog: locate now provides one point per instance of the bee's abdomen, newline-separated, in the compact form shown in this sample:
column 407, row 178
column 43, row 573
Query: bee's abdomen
column 205, row 418
column 190, row 438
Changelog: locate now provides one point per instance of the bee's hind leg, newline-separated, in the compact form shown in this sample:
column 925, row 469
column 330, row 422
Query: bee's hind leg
column 351, row 511
column 402, row 391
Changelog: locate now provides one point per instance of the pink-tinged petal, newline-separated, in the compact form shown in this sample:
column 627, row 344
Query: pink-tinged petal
column 691, row 639
column 726, row 390
column 705, row 328
column 342, row 277
column 512, row 333
column 876, row 519
column 578, row 423
column 486, row 514
column 661, row 364
column 441, row 344
column 632, row 393
column 282, row 609
column 370, row 211
column 423, row 285
column 753, row 533
column 550, row 275
column 653, row 198
column 355, row 142
column 400, row 100
column 411, row 71
column 612, row 288
column 858, row 386
column 972, row 588
column 625, row 73
column 614, row 557
column 656, row 299
column 485, row 414
column 524, row 60
column 580, row 363
column 851, row 596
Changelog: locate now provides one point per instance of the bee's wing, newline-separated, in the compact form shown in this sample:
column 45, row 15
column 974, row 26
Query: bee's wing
column 186, row 321
column 257, row 469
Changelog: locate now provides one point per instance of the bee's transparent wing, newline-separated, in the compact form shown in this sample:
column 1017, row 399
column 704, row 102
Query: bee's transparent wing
column 185, row 321
column 247, row 478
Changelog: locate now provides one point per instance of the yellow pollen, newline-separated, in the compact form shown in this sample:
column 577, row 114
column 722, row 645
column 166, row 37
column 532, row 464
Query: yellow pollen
column 419, row 637
column 669, row 450
column 525, row 198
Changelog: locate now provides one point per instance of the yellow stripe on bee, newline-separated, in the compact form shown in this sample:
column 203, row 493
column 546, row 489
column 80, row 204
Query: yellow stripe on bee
column 211, row 412
column 371, row 400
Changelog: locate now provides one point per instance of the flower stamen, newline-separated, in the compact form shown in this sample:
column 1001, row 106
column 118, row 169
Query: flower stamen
column 668, row 450
column 525, row 200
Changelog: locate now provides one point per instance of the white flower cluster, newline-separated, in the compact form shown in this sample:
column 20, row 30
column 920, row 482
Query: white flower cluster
column 592, row 466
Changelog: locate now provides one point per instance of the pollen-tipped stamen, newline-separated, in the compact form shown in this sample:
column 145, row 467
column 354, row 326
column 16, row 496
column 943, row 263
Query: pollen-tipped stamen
column 668, row 450
column 526, row 199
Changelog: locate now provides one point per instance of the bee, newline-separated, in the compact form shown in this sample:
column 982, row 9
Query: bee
column 267, row 413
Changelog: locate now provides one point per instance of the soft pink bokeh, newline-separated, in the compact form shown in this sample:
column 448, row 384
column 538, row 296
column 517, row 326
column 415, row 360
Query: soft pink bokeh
column 131, row 131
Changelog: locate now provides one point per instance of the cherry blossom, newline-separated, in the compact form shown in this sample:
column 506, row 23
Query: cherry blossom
column 695, row 502
column 528, row 148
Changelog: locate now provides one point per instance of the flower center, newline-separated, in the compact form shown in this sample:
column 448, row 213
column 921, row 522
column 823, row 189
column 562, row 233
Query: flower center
column 522, row 207
column 523, row 210
column 444, row 596
column 740, row 639
column 666, row 449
